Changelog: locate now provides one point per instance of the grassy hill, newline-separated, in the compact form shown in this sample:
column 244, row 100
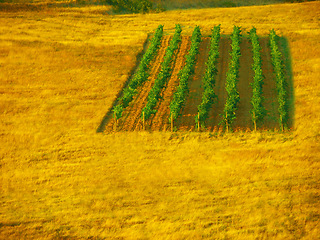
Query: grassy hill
column 183, row 4
column 60, row 70
column 127, row 6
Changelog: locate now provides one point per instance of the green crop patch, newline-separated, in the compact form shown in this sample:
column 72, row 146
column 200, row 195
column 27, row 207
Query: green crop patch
column 208, row 83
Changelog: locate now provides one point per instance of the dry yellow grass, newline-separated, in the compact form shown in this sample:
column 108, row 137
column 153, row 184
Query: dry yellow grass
column 60, row 70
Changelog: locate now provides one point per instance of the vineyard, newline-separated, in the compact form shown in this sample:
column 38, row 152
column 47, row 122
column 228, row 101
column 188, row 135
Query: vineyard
column 205, row 83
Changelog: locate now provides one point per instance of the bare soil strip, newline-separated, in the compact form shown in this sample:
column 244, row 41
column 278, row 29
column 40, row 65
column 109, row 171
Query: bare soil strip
column 286, row 56
column 269, row 88
column 243, row 117
column 217, row 108
column 190, row 110
column 132, row 113
column 160, row 120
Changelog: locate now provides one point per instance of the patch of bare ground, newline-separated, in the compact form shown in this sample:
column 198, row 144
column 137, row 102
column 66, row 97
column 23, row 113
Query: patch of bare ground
column 187, row 120
column 217, row 108
column 243, row 116
column 132, row 115
column 269, row 88
column 160, row 120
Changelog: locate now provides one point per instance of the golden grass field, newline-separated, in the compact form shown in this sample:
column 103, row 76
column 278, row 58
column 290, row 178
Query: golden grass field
column 60, row 71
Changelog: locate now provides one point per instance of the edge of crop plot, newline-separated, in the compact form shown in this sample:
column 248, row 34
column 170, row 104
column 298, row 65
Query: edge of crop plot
column 109, row 114
column 227, row 60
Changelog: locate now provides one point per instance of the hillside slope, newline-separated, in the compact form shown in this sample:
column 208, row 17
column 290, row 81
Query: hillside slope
column 60, row 71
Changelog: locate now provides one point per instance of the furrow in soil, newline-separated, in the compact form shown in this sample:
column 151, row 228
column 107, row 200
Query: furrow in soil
column 243, row 119
column 269, row 88
column 160, row 119
column 133, row 112
column 214, row 118
column 186, row 121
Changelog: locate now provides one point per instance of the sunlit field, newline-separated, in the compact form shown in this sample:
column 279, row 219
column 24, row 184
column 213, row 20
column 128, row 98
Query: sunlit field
column 61, row 69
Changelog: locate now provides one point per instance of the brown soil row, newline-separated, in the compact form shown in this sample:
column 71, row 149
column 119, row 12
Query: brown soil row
column 190, row 111
column 217, row 108
column 243, row 116
column 160, row 120
column 132, row 120
column 269, row 88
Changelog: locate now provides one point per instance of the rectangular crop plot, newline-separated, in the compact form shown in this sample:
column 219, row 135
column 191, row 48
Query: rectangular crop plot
column 235, row 86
